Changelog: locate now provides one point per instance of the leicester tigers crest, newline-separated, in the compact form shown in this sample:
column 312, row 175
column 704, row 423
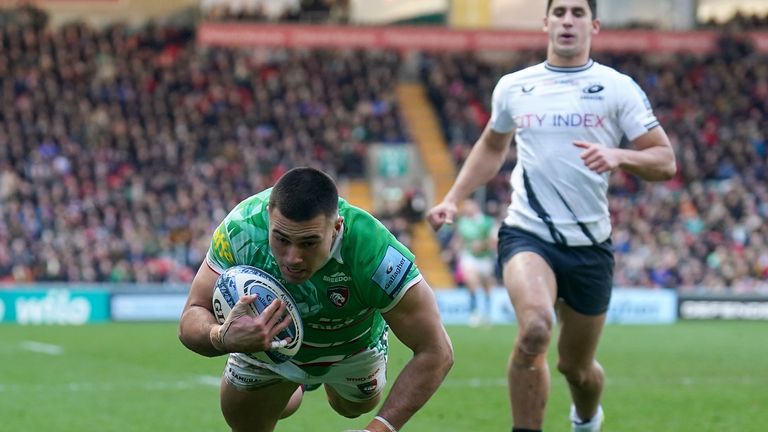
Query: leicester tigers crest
column 338, row 295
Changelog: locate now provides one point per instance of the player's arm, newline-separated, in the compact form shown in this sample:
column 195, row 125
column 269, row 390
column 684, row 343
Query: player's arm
column 482, row 164
column 416, row 322
column 652, row 157
column 197, row 319
column 241, row 332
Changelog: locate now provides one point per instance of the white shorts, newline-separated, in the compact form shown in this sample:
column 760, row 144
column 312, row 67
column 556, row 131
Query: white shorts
column 357, row 378
column 483, row 266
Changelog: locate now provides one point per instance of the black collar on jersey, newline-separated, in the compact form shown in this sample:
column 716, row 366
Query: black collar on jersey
column 570, row 69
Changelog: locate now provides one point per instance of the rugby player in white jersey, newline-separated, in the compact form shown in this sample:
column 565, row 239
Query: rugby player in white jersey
column 568, row 116
column 351, row 280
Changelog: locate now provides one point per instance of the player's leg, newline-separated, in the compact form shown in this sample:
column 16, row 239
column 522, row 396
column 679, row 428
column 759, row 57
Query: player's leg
column 473, row 282
column 577, row 345
column 293, row 403
column 585, row 282
column 531, row 285
column 488, row 283
column 254, row 398
column 350, row 408
column 258, row 410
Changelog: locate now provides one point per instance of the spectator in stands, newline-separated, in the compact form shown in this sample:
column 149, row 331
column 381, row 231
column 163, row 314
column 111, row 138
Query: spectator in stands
column 305, row 11
column 740, row 22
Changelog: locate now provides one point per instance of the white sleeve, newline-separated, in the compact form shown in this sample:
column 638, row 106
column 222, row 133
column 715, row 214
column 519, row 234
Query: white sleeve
column 501, row 118
column 635, row 112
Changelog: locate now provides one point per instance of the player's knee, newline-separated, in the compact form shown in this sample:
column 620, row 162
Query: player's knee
column 574, row 372
column 352, row 409
column 534, row 335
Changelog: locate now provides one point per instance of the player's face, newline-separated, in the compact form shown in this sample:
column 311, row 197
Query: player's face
column 570, row 27
column 301, row 248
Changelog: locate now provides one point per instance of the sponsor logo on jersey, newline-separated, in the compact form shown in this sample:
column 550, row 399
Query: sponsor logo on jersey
column 221, row 247
column 337, row 277
column 331, row 324
column 585, row 120
column 242, row 378
column 591, row 92
column 338, row 295
column 527, row 90
column 392, row 271
column 370, row 376
column 594, row 88
column 368, row 388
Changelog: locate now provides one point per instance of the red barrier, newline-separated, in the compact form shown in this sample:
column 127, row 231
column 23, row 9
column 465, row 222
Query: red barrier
column 444, row 39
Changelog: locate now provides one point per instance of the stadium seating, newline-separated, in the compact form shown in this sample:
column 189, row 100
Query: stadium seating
column 120, row 148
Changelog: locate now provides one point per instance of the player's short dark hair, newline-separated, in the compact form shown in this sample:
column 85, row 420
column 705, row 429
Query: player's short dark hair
column 592, row 7
column 303, row 193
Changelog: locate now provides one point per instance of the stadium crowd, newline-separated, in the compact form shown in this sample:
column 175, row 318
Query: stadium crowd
column 740, row 21
column 119, row 148
column 287, row 11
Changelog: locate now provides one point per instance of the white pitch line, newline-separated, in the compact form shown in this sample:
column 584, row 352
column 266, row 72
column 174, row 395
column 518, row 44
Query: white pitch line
column 40, row 347
column 78, row 387
column 620, row 381
column 215, row 381
column 210, row 380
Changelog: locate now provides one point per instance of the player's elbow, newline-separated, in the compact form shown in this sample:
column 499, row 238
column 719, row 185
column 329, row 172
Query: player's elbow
column 197, row 346
column 437, row 356
column 659, row 171
column 193, row 341
column 444, row 356
column 448, row 360
column 668, row 171
column 183, row 336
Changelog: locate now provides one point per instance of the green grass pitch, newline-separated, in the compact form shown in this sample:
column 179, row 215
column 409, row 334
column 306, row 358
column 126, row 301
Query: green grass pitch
column 691, row 376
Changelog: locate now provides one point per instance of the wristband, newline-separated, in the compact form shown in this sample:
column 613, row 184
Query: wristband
column 215, row 337
column 384, row 421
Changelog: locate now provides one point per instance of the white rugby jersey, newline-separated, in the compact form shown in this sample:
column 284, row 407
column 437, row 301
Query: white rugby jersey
column 554, row 195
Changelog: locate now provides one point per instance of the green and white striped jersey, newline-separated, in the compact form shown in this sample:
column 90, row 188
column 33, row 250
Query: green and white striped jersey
column 341, row 304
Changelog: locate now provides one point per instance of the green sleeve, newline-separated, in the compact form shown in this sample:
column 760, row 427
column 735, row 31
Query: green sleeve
column 382, row 267
column 220, row 255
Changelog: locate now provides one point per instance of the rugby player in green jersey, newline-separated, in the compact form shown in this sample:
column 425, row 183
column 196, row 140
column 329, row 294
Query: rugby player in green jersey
column 352, row 281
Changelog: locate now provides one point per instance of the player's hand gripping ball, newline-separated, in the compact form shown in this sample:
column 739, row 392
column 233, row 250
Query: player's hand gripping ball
column 243, row 280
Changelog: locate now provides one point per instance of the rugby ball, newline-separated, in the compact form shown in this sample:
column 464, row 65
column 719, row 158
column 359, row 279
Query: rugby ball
column 243, row 280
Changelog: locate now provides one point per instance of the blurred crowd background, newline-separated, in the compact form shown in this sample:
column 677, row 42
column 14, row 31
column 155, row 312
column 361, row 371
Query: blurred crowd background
column 121, row 148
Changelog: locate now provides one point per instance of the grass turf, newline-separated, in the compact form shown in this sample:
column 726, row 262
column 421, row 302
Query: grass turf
column 691, row 376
